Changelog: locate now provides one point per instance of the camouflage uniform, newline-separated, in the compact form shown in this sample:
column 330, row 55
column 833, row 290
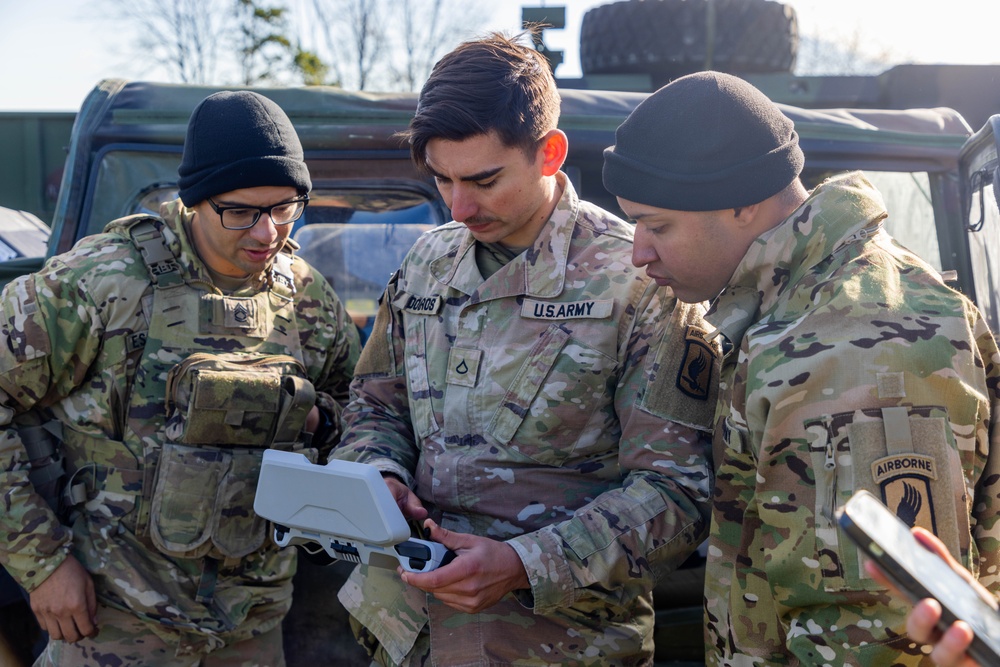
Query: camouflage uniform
column 517, row 408
column 77, row 352
column 849, row 365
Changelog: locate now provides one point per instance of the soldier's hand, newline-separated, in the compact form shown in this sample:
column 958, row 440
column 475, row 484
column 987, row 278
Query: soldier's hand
column 409, row 503
column 921, row 623
column 483, row 571
column 312, row 420
column 949, row 648
column 65, row 604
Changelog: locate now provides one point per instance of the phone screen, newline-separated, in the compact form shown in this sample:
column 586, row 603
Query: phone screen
column 914, row 569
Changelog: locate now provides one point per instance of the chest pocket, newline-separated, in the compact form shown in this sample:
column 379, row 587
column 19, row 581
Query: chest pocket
column 422, row 414
column 556, row 402
column 906, row 457
column 515, row 403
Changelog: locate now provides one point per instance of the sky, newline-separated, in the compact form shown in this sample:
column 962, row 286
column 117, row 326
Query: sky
column 52, row 52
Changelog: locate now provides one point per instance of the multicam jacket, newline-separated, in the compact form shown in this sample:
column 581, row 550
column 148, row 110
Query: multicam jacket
column 517, row 408
column 77, row 352
column 851, row 366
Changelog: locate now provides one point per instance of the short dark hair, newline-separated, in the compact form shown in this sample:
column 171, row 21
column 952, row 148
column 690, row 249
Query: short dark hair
column 490, row 84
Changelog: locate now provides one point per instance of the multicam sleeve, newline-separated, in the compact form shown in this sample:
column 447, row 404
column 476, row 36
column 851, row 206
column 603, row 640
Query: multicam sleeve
column 53, row 332
column 986, row 498
column 614, row 548
column 377, row 426
column 852, row 622
column 333, row 338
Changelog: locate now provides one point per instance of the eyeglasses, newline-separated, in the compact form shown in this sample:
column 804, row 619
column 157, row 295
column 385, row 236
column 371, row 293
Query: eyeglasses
column 245, row 217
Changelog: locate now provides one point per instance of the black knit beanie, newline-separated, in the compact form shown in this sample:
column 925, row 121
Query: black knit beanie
column 707, row 141
column 239, row 139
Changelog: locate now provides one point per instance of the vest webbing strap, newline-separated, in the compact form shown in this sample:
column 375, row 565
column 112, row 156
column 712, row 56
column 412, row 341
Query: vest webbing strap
column 162, row 265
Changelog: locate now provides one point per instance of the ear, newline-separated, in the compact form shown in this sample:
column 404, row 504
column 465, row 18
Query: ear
column 554, row 147
column 744, row 216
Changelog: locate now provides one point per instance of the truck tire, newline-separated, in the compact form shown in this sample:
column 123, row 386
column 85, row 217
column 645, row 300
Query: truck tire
column 670, row 38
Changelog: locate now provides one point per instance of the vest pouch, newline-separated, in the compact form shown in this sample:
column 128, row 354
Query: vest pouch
column 236, row 528
column 297, row 397
column 233, row 400
column 203, row 502
column 188, row 479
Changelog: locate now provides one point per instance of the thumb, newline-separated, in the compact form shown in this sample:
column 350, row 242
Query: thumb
column 930, row 542
column 91, row 601
column 413, row 508
column 450, row 539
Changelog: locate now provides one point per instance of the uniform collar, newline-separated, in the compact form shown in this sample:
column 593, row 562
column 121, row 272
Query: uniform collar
column 842, row 210
column 538, row 272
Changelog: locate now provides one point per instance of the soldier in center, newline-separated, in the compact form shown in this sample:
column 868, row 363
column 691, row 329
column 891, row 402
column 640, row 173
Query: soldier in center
column 533, row 400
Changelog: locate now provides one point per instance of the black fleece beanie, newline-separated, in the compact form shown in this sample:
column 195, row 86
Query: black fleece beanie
column 707, row 141
column 239, row 139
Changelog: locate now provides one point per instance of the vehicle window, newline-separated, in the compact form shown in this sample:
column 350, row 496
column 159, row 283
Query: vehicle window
column 357, row 237
column 130, row 181
column 125, row 178
column 22, row 234
column 984, row 242
column 911, row 214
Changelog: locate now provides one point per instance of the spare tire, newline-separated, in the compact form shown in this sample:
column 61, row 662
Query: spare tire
column 670, row 38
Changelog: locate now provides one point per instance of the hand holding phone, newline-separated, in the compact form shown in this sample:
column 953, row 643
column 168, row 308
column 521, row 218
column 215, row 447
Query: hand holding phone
column 919, row 573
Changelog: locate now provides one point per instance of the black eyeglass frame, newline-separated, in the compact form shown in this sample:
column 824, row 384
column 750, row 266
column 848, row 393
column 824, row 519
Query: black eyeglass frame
column 260, row 210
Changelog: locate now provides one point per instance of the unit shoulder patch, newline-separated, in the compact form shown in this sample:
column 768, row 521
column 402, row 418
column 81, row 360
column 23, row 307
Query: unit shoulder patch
column 905, row 483
column 694, row 378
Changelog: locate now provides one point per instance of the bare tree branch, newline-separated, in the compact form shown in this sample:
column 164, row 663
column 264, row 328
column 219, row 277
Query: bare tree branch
column 392, row 44
column 841, row 55
column 182, row 36
column 328, row 27
column 357, row 44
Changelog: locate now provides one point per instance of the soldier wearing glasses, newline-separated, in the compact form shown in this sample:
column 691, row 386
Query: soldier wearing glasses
column 154, row 362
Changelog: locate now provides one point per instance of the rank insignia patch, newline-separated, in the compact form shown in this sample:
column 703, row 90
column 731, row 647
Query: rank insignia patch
column 240, row 313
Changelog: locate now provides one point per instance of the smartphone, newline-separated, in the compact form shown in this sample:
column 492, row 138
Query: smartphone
column 920, row 573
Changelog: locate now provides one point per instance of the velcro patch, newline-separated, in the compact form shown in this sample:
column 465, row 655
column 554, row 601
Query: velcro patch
column 135, row 341
column 547, row 310
column 240, row 313
column 463, row 366
column 419, row 305
column 910, row 465
column 891, row 385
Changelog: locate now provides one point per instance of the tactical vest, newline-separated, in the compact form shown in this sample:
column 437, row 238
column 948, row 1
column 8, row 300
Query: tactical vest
column 220, row 379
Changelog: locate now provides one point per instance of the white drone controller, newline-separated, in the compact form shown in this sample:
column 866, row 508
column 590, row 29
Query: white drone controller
column 344, row 509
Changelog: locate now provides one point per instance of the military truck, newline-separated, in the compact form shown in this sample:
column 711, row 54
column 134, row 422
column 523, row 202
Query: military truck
column 34, row 148
column 369, row 204
column 640, row 45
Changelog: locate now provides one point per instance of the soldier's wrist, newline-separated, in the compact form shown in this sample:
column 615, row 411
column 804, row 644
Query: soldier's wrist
column 323, row 428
